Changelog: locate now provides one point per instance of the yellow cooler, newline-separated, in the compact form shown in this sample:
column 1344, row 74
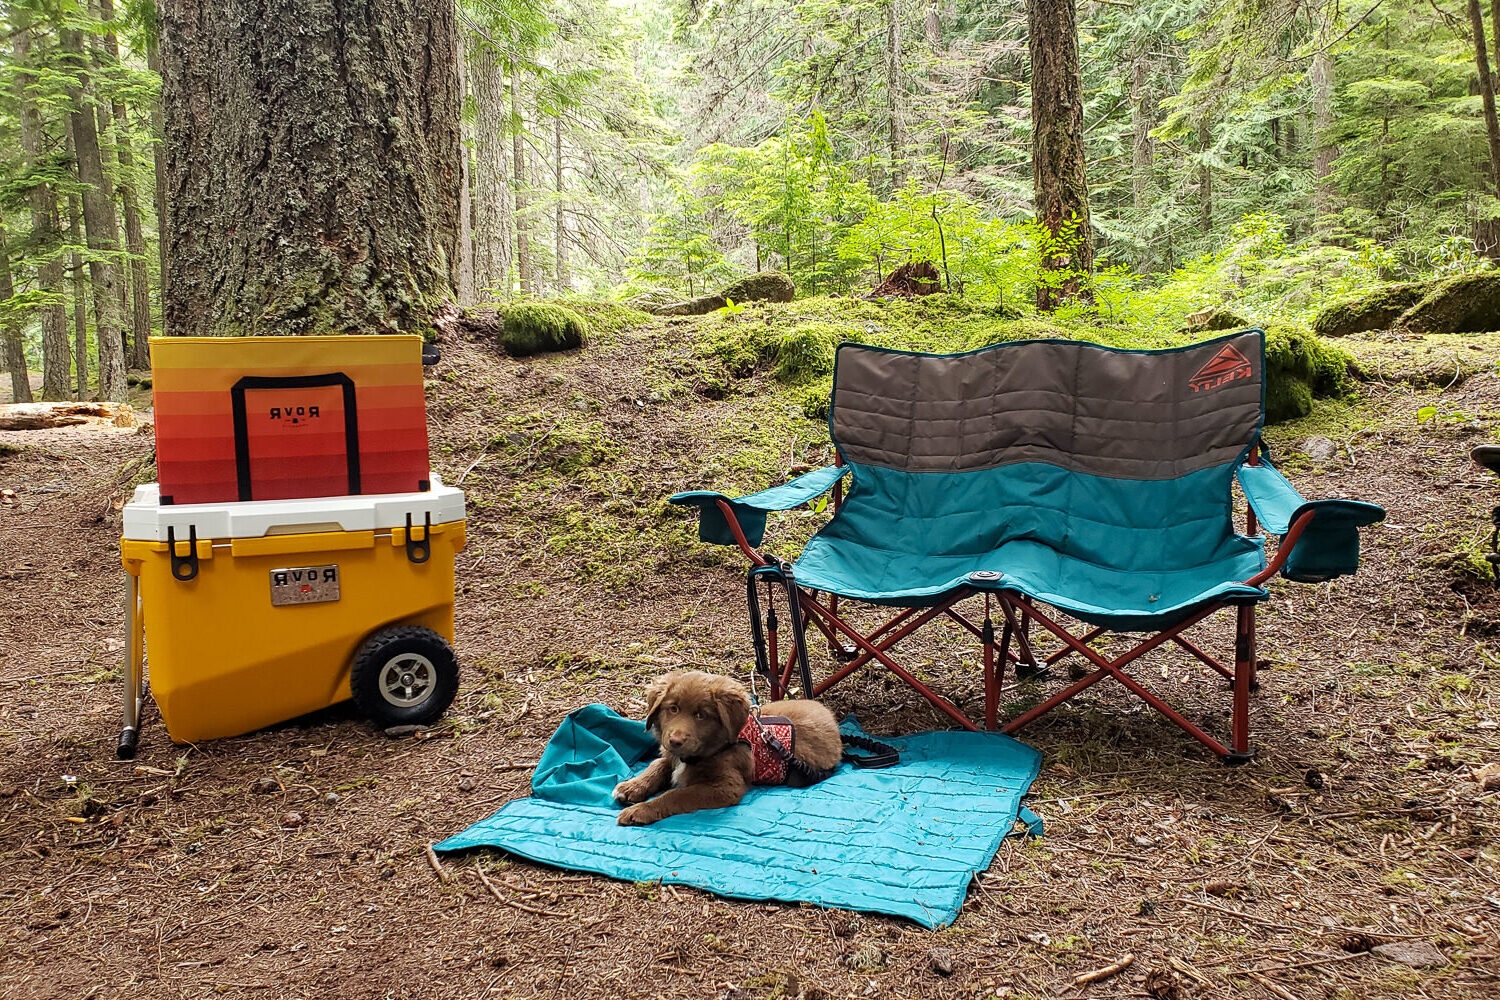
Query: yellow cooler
column 251, row 613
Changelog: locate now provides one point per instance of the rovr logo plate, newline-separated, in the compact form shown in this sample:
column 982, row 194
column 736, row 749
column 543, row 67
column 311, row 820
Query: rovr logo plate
column 304, row 585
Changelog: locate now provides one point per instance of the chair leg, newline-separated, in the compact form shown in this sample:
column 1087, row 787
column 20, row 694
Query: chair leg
column 1244, row 678
column 994, row 675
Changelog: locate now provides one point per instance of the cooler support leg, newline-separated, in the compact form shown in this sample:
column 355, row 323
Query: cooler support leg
column 130, row 735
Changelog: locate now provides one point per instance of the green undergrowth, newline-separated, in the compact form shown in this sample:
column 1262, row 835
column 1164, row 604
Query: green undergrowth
column 606, row 320
column 795, row 344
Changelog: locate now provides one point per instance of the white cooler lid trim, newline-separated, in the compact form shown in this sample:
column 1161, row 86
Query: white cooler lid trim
column 146, row 519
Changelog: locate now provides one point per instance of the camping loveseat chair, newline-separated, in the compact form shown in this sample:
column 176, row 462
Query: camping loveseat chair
column 1047, row 479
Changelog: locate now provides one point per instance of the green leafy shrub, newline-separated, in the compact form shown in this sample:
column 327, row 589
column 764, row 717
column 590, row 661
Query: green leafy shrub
column 534, row 327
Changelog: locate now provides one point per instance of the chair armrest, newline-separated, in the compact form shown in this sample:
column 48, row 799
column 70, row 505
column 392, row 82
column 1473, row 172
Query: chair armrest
column 750, row 510
column 1329, row 546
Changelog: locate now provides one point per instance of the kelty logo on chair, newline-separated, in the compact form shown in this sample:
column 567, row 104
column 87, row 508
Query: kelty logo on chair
column 1226, row 366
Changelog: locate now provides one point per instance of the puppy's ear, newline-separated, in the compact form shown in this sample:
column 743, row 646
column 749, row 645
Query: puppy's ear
column 656, row 693
column 733, row 705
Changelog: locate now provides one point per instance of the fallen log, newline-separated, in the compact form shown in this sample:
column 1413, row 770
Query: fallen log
column 44, row 416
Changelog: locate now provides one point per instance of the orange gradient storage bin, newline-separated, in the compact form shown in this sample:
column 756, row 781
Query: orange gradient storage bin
column 272, row 418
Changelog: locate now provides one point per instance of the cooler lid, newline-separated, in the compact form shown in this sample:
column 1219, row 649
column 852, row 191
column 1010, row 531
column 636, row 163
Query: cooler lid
column 146, row 519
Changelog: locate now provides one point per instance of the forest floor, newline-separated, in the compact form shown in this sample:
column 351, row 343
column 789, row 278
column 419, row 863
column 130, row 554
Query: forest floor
column 170, row 876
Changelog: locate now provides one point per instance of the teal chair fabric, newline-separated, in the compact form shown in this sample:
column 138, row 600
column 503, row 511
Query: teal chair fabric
column 1092, row 479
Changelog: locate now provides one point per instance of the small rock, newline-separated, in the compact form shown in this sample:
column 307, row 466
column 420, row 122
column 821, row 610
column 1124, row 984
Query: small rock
column 1488, row 777
column 292, row 819
column 866, row 956
column 266, row 786
column 1314, row 778
column 332, row 798
column 1320, row 449
column 1417, row 954
column 942, row 961
column 465, row 784
column 401, row 732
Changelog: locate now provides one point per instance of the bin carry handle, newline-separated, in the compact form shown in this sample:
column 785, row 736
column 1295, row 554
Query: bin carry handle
column 184, row 568
column 419, row 552
column 242, row 422
column 130, row 734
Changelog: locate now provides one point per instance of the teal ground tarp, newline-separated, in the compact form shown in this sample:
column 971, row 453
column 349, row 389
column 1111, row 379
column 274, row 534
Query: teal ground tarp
column 904, row 840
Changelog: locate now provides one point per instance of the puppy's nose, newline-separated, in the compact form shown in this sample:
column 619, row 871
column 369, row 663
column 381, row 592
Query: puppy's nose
column 675, row 741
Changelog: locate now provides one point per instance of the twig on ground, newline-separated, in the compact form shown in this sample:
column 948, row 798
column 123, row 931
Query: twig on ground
column 511, row 902
column 437, row 866
column 1113, row 969
column 1280, row 991
column 1308, row 965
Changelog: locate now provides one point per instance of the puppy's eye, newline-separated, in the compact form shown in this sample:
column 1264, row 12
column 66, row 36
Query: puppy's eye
column 671, row 709
column 698, row 716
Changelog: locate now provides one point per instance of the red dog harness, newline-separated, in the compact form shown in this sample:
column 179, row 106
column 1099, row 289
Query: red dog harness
column 771, row 740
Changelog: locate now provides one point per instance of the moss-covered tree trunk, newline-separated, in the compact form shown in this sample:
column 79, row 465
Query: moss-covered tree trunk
column 1486, row 91
column 518, row 173
column 1062, row 196
column 312, row 152
column 135, row 237
column 100, row 226
column 1324, row 150
column 42, row 200
column 492, row 215
column 11, row 345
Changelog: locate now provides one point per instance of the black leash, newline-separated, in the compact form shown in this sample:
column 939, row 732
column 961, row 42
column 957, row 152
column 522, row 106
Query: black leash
column 877, row 754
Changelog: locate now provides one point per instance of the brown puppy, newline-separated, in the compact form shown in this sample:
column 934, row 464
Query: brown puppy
column 697, row 718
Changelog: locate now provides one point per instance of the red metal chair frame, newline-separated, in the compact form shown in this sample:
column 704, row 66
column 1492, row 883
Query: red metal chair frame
column 1019, row 612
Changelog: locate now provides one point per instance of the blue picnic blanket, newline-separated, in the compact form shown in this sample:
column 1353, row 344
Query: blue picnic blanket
column 904, row 840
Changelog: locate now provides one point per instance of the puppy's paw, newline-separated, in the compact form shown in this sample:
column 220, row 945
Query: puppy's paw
column 627, row 792
column 637, row 815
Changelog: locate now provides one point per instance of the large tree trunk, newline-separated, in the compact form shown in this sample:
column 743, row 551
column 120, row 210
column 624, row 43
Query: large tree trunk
column 1142, row 121
column 312, row 165
column 1324, row 152
column 467, row 296
column 135, row 237
column 10, row 338
column 42, row 201
column 564, row 279
column 80, row 300
column 99, row 223
column 894, row 101
column 1205, row 179
column 158, row 155
column 492, row 217
column 1062, row 197
column 523, row 223
column 1486, row 91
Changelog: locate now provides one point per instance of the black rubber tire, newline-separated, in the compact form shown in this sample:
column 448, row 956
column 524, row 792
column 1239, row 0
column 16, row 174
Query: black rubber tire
column 388, row 645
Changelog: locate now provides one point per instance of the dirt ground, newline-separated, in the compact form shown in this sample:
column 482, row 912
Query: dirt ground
column 1358, row 827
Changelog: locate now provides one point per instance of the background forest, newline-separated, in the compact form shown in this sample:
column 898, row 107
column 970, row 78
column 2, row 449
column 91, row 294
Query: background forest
column 1271, row 154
